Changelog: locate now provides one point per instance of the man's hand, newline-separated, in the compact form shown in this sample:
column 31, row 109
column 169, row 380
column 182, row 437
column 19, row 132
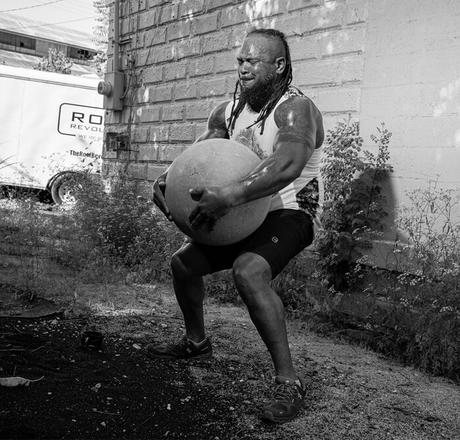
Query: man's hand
column 159, row 188
column 213, row 203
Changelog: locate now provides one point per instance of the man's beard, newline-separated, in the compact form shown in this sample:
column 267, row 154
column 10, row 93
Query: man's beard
column 258, row 96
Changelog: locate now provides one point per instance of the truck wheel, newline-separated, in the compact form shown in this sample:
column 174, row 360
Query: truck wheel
column 65, row 187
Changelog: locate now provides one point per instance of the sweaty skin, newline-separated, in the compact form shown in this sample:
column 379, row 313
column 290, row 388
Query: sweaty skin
column 298, row 121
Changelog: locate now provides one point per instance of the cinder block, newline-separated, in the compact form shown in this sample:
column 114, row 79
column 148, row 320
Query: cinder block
column 168, row 12
column 230, row 84
column 336, row 70
column 182, row 132
column 190, row 7
column 198, row 110
column 159, row 133
column 187, row 90
column 201, row 66
column 138, row 39
column 304, row 48
column 137, row 171
column 147, row 19
column 148, row 152
column 225, row 62
column 145, row 94
column 338, row 100
column 154, row 171
column 139, row 134
column 205, row 24
column 178, row 29
column 152, row 74
column 155, row 36
column 175, row 70
column 142, row 4
column 234, row 15
column 216, row 42
column 173, row 112
column 162, row 93
column 161, row 54
column 238, row 35
column 200, row 128
column 212, row 87
column 315, row 19
column 188, row 47
column 147, row 113
column 167, row 153
column 342, row 41
column 128, row 25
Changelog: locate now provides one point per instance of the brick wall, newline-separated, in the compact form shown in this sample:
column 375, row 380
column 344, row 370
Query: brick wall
column 179, row 57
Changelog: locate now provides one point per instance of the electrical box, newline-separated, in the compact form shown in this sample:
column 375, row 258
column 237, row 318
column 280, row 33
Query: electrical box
column 112, row 88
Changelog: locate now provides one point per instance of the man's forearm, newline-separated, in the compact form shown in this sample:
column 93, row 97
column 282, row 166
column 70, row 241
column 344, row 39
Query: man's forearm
column 268, row 178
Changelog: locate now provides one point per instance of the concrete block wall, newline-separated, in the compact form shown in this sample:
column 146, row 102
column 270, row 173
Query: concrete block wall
column 179, row 57
column 412, row 83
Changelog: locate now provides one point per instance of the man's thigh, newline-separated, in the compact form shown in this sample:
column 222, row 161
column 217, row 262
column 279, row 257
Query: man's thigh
column 280, row 238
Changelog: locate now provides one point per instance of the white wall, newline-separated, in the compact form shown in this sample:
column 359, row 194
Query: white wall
column 411, row 82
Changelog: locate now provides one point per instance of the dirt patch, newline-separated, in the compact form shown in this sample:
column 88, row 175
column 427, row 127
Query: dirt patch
column 117, row 392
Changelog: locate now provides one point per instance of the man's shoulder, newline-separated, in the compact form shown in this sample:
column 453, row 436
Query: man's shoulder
column 296, row 103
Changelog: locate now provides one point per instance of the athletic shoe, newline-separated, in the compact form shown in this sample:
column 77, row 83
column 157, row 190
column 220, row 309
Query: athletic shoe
column 184, row 349
column 287, row 400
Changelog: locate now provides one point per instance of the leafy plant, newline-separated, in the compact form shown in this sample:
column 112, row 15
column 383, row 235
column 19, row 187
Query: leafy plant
column 353, row 202
column 433, row 277
column 56, row 61
column 126, row 230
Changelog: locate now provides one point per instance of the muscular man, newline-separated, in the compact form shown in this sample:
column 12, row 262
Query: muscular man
column 284, row 128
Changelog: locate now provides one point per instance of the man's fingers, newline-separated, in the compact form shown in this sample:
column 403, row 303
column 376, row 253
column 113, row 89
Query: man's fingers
column 160, row 201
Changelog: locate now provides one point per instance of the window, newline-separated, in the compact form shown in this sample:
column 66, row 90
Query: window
column 79, row 54
column 17, row 41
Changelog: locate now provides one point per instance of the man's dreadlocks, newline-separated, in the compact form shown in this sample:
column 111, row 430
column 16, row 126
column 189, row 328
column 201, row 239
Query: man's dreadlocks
column 281, row 85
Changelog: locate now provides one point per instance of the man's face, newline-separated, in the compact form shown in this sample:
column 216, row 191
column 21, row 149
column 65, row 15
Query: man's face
column 257, row 63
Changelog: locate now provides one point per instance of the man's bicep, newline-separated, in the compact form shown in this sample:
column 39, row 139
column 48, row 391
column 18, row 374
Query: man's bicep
column 299, row 121
column 217, row 126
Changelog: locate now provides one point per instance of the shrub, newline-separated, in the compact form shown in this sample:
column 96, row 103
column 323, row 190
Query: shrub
column 126, row 231
column 353, row 200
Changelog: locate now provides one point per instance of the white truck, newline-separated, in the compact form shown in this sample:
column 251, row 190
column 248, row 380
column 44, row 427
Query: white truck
column 51, row 130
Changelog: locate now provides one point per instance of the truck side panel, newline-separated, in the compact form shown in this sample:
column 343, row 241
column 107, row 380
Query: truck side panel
column 55, row 126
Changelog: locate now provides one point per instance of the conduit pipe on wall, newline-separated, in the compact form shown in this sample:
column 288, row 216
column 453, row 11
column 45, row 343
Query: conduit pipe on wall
column 114, row 82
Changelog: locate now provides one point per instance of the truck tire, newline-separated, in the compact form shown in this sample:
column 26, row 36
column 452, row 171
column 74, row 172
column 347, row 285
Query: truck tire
column 64, row 188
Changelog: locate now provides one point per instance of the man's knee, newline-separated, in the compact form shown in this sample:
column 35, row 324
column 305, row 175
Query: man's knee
column 188, row 262
column 251, row 274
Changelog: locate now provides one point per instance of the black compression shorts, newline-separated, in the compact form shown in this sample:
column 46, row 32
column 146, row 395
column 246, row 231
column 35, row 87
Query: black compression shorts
column 282, row 235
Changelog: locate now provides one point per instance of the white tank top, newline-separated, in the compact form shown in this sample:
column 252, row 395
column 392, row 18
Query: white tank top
column 304, row 193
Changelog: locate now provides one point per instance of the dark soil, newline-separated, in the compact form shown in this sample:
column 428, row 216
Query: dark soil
column 115, row 392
